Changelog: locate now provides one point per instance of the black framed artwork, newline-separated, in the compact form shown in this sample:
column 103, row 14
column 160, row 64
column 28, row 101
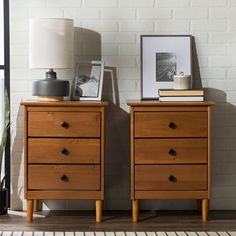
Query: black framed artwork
column 162, row 57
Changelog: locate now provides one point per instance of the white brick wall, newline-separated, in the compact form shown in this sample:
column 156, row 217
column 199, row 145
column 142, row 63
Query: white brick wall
column 112, row 31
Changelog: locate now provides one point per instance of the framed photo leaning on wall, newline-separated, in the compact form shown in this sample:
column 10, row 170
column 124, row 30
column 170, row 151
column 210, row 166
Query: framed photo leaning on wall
column 88, row 81
column 163, row 56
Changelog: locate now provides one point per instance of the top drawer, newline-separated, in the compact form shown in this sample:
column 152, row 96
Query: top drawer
column 170, row 124
column 64, row 124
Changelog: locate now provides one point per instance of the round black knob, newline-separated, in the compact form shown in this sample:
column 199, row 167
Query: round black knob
column 172, row 152
column 171, row 178
column 64, row 151
column 64, row 178
column 172, row 125
column 64, row 125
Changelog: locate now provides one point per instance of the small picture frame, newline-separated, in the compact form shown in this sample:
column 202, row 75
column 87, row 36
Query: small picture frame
column 162, row 57
column 88, row 81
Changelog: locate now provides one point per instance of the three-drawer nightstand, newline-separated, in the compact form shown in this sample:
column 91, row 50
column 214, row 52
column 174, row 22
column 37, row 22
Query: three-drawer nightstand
column 64, row 146
column 170, row 152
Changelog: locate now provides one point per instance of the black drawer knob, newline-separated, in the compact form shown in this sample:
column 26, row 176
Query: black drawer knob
column 172, row 152
column 64, row 125
column 171, row 178
column 172, row 125
column 64, row 178
column 64, row 151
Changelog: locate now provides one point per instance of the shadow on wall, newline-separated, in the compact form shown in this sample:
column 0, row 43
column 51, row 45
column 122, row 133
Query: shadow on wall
column 117, row 194
column 223, row 150
column 16, row 164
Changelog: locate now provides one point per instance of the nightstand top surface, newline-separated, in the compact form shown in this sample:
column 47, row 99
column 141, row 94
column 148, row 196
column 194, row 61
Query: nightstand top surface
column 35, row 103
column 138, row 102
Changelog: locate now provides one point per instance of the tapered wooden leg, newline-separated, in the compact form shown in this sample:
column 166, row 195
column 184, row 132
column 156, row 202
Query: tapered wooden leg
column 35, row 205
column 135, row 211
column 204, row 210
column 30, row 204
column 199, row 205
column 98, row 211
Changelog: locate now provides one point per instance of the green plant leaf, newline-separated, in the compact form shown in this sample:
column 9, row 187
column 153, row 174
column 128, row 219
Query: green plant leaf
column 4, row 134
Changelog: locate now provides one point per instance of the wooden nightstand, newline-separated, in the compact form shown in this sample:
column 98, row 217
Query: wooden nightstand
column 170, row 152
column 64, row 146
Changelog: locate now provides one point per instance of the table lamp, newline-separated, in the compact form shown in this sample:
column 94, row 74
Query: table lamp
column 51, row 47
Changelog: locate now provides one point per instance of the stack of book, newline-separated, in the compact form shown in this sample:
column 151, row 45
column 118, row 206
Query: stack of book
column 171, row 95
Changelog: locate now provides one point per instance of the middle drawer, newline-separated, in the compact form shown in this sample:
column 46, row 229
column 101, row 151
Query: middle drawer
column 171, row 151
column 63, row 150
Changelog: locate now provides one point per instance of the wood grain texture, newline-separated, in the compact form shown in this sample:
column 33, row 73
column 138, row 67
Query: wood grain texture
column 98, row 211
column 173, row 194
column 69, row 151
column 64, row 161
column 77, row 177
column 49, row 124
column 135, row 210
column 65, row 194
column 156, row 124
column 209, row 151
column 25, row 151
column 132, row 153
column 119, row 221
column 35, row 103
column 171, row 151
column 156, row 177
column 102, row 150
column 29, row 210
column 204, row 210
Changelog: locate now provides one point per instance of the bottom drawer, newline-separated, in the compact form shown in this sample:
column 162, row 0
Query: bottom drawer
column 67, row 177
column 170, row 177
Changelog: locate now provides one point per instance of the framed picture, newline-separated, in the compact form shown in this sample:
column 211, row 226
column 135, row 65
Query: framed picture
column 163, row 56
column 88, row 81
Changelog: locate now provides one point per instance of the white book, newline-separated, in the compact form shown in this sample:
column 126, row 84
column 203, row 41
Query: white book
column 182, row 99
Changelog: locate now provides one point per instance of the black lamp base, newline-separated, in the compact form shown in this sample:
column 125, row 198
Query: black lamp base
column 50, row 89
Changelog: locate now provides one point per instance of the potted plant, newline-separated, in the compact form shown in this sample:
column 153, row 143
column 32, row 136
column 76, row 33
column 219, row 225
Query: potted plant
column 3, row 191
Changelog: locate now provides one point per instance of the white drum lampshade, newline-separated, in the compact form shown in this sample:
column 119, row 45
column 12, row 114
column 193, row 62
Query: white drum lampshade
column 51, row 47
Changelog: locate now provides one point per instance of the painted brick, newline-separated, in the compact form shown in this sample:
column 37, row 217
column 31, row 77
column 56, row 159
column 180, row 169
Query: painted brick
column 205, row 25
column 131, row 50
column 121, row 13
column 153, row 13
column 100, row 3
column 27, row 3
column 101, row 25
column 110, row 50
column 222, row 13
column 82, row 13
column 136, row 3
column 129, row 73
column 45, row 12
column 168, row 25
column 130, row 26
column 127, row 85
column 211, row 49
column 173, row 3
column 232, row 49
column 220, row 61
column 232, row 25
column 119, row 61
column 213, row 73
column 191, row 13
column 62, row 3
column 223, row 37
column 209, row 3
column 118, row 38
